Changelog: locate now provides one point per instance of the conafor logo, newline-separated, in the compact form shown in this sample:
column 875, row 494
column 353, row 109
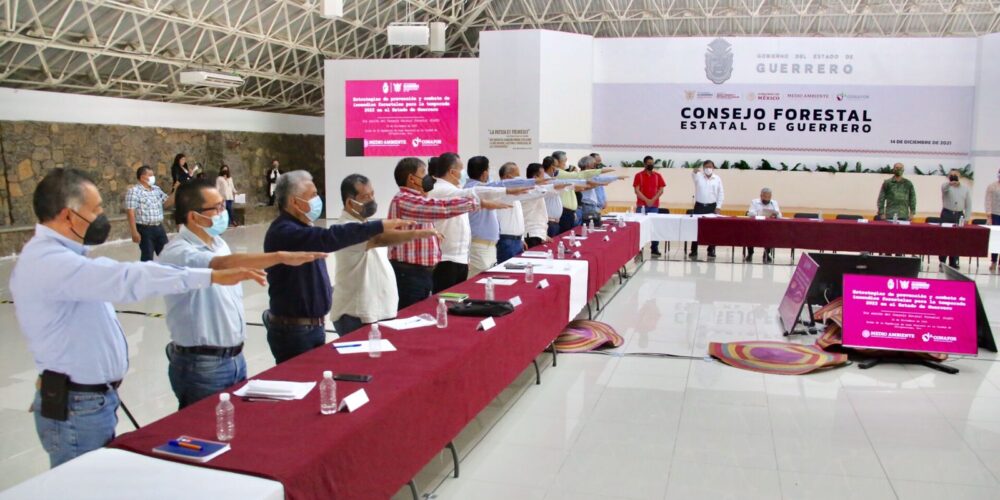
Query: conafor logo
column 416, row 142
column 719, row 61
column 926, row 337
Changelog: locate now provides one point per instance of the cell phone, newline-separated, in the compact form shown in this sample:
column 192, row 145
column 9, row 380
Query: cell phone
column 55, row 395
column 352, row 377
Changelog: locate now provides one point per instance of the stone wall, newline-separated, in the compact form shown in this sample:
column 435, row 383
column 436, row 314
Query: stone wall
column 112, row 153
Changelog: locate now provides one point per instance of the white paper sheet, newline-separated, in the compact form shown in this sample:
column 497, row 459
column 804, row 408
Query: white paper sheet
column 275, row 389
column 499, row 282
column 408, row 323
column 363, row 346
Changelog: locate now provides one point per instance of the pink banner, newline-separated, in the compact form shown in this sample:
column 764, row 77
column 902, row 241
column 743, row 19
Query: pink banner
column 401, row 117
column 909, row 314
column 795, row 295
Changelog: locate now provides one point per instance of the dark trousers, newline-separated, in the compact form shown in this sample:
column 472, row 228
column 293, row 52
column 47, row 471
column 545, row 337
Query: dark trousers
column 553, row 230
column 229, row 210
column 347, row 324
column 533, row 241
column 768, row 253
column 567, row 221
column 448, row 274
column 703, row 208
column 288, row 341
column 151, row 241
column 592, row 213
column 508, row 247
column 994, row 221
column 414, row 283
column 950, row 216
column 194, row 377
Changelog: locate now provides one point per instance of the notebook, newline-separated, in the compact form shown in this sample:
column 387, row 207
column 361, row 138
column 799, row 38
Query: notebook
column 209, row 449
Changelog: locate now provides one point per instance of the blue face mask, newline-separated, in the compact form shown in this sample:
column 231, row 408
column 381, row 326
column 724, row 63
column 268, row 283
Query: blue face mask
column 219, row 224
column 315, row 208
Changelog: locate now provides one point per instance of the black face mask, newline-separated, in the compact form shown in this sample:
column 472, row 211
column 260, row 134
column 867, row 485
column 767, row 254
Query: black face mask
column 768, row 202
column 649, row 167
column 953, row 178
column 366, row 210
column 428, row 183
column 97, row 232
column 225, row 173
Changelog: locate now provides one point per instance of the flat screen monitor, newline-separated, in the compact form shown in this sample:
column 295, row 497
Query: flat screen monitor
column 984, row 334
column 829, row 281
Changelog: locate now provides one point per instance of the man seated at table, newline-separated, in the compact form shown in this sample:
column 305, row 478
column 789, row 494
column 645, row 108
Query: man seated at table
column 208, row 326
column 765, row 206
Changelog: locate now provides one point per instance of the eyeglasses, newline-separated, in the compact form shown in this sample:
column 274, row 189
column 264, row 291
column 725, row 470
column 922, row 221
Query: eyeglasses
column 218, row 208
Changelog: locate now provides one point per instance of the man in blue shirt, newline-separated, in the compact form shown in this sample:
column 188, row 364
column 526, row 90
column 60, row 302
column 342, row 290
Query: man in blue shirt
column 208, row 326
column 483, row 222
column 300, row 297
column 62, row 299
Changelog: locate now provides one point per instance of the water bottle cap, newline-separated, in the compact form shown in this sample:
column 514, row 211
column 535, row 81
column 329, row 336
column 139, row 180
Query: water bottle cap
column 374, row 327
column 327, row 374
column 224, row 396
column 440, row 301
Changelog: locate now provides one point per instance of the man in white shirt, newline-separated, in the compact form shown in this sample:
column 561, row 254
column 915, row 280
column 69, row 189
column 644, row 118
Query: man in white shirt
column 454, row 266
column 364, row 284
column 512, row 220
column 708, row 198
column 764, row 206
column 537, row 219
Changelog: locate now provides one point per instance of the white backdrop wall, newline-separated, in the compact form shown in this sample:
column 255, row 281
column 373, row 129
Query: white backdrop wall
column 34, row 105
column 380, row 169
column 510, row 96
column 986, row 141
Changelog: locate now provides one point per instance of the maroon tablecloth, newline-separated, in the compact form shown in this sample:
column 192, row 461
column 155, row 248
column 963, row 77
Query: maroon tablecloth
column 847, row 236
column 422, row 396
column 604, row 258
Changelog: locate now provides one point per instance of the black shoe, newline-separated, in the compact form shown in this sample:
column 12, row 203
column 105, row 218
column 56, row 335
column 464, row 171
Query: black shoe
column 768, row 260
column 693, row 255
column 711, row 255
column 748, row 258
column 656, row 254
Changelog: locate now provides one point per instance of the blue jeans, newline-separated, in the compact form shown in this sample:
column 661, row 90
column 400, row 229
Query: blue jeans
column 567, row 221
column 347, row 324
column 91, row 425
column 229, row 210
column 509, row 247
column 194, row 377
column 553, row 230
column 286, row 342
column 152, row 239
column 579, row 217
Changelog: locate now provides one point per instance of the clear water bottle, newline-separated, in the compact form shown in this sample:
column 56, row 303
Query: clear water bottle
column 548, row 254
column 328, row 394
column 961, row 221
column 621, row 222
column 225, row 418
column 561, row 249
column 374, row 342
column 590, row 228
column 643, row 210
column 529, row 274
column 895, row 218
column 442, row 314
column 583, row 230
column 489, row 289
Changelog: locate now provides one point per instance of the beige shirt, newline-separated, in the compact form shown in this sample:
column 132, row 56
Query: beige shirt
column 364, row 285
column 993, row 198
column 226, row 187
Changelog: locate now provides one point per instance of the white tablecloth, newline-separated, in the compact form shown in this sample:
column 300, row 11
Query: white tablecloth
column 577, row 270
column 994, row 239
column 110, row 474
column 664, row 227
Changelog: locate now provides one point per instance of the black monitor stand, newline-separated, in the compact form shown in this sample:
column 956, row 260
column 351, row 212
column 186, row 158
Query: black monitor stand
column 930, row 363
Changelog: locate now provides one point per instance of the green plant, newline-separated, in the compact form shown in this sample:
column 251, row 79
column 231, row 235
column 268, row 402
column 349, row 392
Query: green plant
column 765, row 165
column 841, row 167
column 725, row 165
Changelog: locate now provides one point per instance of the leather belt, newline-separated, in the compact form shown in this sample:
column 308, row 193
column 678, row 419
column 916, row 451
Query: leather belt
column 222, row 352
column 287, row 321
column 510, row 237
column 101, row 388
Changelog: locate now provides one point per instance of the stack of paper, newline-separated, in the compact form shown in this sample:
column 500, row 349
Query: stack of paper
column 383, row 345
column 275, row 389
column 534, row 254
column 499, row 281
column 411, row 322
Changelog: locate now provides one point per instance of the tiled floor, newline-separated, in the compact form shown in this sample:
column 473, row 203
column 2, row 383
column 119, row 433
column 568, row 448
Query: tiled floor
column 627, row 426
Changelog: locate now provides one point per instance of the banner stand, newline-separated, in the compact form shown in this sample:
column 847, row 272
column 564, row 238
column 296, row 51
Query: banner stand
column 870, row 362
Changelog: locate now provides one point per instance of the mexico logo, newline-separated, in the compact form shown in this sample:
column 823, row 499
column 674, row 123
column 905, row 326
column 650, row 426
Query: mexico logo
column 719, row 61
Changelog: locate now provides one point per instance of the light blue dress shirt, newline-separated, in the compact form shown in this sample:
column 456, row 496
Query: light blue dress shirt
column 62, row 299
column 484, row 223
column 211, row 316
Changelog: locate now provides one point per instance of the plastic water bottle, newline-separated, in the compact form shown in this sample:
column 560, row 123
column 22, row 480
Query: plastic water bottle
column 895, row 218
column 590, row 229
column 374, row 342
column 961, row 221
column 442, row 314
column 489, row 289
column 644, row 210
column 561, row 250
column 328, row 394
column 583, row 230
column 548, row 254
column 621, row 222
column 529, row 274
column 225, row 418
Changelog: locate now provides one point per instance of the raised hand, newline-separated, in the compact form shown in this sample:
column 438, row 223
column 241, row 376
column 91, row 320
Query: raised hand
column 299, row 258
column 227, row 277
column 397, row 224
column 518, row 190
column 493, row 205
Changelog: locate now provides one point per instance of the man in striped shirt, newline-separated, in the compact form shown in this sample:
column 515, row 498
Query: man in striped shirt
column 413, row 262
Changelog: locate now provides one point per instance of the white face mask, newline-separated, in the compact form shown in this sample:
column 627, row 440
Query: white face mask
column 151, row 180
column 709, row 171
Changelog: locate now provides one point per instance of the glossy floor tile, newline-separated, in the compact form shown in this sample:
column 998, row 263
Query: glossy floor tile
column 652, row 419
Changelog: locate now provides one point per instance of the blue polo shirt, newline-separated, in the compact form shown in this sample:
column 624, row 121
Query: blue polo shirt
column 305, row 291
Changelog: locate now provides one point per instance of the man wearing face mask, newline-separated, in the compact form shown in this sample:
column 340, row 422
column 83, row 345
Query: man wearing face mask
column 956, row 203
column 63, row 301
column 648, row 186
column 897, row 199
column 413, row 262
column 208, row 326
column 300, row 297
column 993, row 211
column 765, row 206
column 144, row 204
column 364, row 286
column 708, row 198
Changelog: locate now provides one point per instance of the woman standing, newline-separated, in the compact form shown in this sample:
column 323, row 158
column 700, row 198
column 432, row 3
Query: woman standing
column 272, row 180
column 179, row 172
column 224, row 183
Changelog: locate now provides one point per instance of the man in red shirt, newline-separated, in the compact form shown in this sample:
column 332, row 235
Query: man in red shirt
column 648, row 189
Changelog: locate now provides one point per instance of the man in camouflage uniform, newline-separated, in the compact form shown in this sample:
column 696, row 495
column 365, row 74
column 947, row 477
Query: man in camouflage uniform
column 897, row 198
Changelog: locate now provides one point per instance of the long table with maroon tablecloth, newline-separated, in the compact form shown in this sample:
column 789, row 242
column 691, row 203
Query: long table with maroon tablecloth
column 422, row 395
column 605, row 257
column 846, row 236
